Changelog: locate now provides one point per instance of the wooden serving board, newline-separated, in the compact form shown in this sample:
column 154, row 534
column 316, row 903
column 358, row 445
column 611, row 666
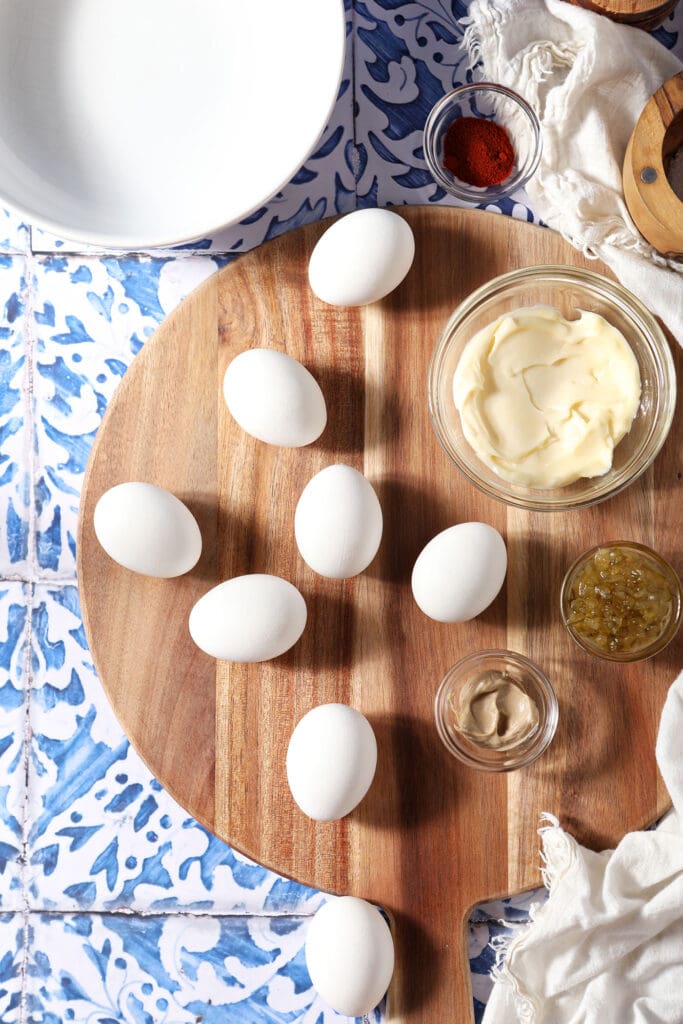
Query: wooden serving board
column 432, row 837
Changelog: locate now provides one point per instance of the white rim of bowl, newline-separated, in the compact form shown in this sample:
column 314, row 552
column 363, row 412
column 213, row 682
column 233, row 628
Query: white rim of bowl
column 650, row 328
column 473, row 194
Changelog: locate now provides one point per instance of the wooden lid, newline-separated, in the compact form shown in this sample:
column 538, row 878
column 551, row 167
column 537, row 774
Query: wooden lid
column 645, row 14
column 652, row 202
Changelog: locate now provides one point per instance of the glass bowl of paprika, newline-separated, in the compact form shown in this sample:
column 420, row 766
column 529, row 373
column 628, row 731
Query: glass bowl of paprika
column 482, row 142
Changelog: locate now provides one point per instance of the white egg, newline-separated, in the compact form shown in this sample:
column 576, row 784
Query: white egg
column 331, row 761
column 274, row 398
column 147, row 529
column 338, row 522
column 350, row 955
column 361, row 257
column 248, row 618
column 459, row 572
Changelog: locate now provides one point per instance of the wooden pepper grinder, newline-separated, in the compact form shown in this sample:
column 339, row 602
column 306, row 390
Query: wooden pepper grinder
column 646, row 14
column 656, row 209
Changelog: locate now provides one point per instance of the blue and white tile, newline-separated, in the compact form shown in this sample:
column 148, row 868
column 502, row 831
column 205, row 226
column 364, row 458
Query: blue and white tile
column 489, row 925
column 103, row 833
column 14, row 432
column 14, row 610
column 173, row 968
column 90, row 318
column 14, row 232
column 322, row 187
column 407, row 57
column 12, row 951
column 670, row 32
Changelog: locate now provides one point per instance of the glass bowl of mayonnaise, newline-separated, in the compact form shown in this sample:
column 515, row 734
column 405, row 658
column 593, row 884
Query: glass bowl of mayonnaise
column 552, row 388
column 495, row 711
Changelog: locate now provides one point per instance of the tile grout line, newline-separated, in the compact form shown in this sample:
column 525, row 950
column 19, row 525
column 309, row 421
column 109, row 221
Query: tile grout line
column 30, row 340
column 29, row 586
column 25, row 822
column 193, row 914
column 38, row 580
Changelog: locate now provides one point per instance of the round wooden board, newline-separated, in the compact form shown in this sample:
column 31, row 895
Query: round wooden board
column 432, row 837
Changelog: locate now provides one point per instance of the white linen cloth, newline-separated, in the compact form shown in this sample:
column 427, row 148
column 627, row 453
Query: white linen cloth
column 607, row 946
column 588, row 80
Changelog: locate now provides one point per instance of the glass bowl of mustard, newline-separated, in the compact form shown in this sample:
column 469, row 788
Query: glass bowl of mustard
column 621, row 601
column 495, row 711
column 572, row 292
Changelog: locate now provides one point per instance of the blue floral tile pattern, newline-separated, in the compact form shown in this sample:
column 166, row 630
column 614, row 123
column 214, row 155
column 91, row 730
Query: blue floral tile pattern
column 490, row 925
column 407, row 56
column 14, row 233
column 13, row 656
column 90, row 317
column 103, row 832
column 173, row 968
column 14, row 433
column 12, row 950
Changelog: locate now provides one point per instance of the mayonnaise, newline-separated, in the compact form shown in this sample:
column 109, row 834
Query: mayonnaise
column 543, row 401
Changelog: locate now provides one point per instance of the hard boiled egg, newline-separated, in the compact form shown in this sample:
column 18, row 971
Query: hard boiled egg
column 274, row 398
column 147, row 529
column 361, row 258
column 338, row 522
column 459, row 572
column 331, row 761
column 248, row 618
column 350, row 955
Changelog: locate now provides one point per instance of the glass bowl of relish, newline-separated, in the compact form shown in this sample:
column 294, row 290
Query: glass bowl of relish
column 621, row 601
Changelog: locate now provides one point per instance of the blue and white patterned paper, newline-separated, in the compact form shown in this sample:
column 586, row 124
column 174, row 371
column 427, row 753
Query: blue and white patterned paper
column 114, row 904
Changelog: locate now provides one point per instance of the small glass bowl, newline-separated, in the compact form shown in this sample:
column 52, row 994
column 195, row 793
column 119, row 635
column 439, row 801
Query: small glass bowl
column 569, row 289
column 492, row 102
column 526, row 675
column 658, row 563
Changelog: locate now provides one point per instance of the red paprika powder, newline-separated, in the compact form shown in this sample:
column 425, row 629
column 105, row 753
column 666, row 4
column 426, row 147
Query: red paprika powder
column 477, row 151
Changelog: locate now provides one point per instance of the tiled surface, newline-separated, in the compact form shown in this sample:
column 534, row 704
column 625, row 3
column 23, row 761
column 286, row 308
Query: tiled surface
column 15, row 235
column 218, row 970
column 13, row 669
column 114, row 904
column 89, row 317
column 12, row 953
column 15, row 426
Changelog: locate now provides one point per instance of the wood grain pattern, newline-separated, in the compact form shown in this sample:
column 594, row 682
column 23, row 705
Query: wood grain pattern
column 645, row 14
column 655, row 207
column 432, row 837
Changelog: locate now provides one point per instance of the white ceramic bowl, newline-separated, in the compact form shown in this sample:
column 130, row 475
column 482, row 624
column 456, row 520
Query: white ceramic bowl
column 137, row 123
